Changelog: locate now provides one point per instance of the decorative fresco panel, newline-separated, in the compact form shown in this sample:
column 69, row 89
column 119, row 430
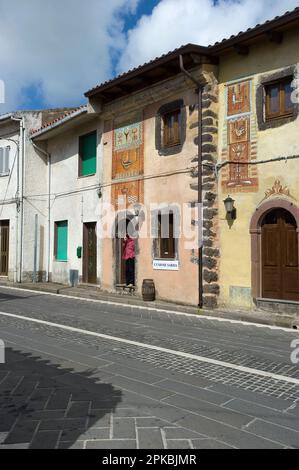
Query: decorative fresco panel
column 128, row 137
column 239, row 130
column 127, row 194
column 238, row 98
column 239, row 171
column 127, row 163
column 128, row 151
column 239, row 139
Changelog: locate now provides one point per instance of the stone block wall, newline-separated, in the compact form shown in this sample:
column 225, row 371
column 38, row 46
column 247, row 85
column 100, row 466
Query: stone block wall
column 210, row 242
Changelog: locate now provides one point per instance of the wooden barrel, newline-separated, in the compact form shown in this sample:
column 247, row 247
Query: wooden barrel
column 148, row 290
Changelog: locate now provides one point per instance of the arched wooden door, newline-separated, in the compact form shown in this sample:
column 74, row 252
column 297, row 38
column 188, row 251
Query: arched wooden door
column 280, row 268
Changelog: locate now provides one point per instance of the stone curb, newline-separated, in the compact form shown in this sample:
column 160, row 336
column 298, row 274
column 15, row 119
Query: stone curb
column 250, row 316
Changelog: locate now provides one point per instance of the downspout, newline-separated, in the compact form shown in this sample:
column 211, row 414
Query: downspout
column 199, row 87
column 20, row 200
column 47, row 154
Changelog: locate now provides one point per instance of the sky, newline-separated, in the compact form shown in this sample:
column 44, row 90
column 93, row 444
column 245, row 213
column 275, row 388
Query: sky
column 51, row 51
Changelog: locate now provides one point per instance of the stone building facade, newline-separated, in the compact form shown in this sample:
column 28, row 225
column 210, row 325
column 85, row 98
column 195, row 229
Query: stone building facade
column 229, row 110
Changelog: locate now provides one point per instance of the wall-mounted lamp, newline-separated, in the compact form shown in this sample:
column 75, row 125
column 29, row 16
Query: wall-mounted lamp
column 230, row 208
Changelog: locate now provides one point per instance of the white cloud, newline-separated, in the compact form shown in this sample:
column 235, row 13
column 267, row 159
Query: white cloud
column 177, row 22
column 61, row 48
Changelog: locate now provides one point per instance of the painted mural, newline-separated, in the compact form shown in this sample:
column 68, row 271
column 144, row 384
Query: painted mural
column 128, row 163
column 240, row 139
column 238, row 98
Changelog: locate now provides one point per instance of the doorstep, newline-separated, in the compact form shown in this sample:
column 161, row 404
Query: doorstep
column 278, row 306
column 264, row 317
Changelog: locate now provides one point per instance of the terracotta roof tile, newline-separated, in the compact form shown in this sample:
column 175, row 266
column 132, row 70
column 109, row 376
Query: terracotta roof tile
column 236, row 36
column 61, row 118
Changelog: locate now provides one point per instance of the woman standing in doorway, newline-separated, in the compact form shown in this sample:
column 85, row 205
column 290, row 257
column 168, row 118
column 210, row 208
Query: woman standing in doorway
column 129, row 257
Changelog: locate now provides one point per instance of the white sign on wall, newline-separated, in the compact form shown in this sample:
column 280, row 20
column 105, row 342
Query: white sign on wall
column 165, row 265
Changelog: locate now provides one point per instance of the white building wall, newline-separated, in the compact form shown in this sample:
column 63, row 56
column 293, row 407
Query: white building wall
column 35, row 203
column 9, row 132
column 74, row 198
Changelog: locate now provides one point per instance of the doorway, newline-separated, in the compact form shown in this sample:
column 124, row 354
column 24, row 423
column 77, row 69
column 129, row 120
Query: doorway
column 122, row 228
column 90, row 253
column 280, row 268
column 4, row 247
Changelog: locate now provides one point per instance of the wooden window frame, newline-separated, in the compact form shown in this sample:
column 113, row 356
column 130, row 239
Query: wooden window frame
column 167, row 142
column 282, row 113
column 80, row 161
column 171, row 240
column 56, row 240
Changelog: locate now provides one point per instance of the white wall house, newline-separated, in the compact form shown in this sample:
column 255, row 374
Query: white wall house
column 23, row 205
column 73, row 149
column 10, row 210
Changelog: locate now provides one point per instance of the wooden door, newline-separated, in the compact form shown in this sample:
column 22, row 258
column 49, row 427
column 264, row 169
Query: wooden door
column 4, row 247
column 90, row 253
column 280, row 276
column 120, row 262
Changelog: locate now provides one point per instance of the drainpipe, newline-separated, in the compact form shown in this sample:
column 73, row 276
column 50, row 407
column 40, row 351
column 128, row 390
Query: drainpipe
column 199, row 87
column 48, row 155
column 20, row 199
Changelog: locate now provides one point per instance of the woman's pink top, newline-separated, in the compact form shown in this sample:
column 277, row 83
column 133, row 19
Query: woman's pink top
column 129, row 248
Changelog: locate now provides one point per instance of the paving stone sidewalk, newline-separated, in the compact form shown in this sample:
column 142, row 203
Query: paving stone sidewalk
column 65, row 389
column 255, row 315
column 56, row 401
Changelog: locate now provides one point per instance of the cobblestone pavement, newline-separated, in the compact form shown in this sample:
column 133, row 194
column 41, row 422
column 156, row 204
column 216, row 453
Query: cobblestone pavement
column 67, row 389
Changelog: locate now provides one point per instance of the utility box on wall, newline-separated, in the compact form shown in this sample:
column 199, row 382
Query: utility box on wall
column 74, row 277
column 79, row 252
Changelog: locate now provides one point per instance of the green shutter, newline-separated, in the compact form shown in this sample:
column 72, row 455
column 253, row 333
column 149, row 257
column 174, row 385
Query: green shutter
column 88, row 150
column 61, row 247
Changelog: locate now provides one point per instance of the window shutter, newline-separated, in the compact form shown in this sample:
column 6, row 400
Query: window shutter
column 1, row 160
column 6, row 160
column 61, row 241
column 88, row 154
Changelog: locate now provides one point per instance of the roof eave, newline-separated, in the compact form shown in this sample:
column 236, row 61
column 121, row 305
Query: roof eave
column 154, row 64
column 42, row 132
column 6, row 117
column 281, row 23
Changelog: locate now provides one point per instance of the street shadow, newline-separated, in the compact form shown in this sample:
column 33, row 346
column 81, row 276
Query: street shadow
column 9, row 297
column 46, row 406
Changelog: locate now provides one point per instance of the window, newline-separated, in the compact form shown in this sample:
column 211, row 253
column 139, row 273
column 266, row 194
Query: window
column 4, row 161
column 88, row 154
column 166, row 240
column 171, row 132
column 170, row 128
column 61, row 240
column 278, row 99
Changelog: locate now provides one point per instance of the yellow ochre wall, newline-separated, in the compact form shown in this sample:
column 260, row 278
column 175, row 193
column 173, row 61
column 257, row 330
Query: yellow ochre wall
column 235, row 242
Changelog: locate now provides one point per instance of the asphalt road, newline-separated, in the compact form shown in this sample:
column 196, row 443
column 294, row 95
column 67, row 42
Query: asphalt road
column 86, row 374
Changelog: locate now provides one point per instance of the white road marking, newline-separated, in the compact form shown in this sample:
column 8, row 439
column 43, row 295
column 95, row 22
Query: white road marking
column 173, row 352
column 198, row 316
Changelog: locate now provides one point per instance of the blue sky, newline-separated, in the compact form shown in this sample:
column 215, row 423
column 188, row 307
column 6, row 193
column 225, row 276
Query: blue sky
column 49, row 57
column 33, row 93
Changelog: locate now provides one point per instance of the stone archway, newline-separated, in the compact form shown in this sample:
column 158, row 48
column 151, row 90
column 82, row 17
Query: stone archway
column 256, row 238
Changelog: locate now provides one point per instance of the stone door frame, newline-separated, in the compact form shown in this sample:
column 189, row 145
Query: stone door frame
column 256, row 238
